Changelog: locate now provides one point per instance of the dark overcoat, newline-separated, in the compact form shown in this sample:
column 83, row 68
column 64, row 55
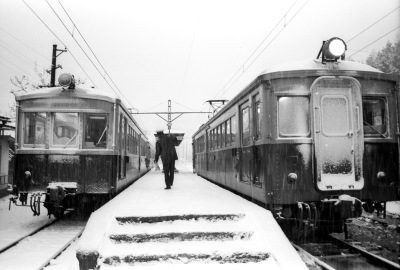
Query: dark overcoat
column 165, row 147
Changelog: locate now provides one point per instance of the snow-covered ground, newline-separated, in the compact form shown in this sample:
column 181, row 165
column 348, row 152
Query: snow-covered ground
column 20, row 220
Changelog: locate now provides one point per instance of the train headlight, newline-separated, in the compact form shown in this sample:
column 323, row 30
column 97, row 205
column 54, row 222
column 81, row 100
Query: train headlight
column 292, row 178
column 332, row 50
column 67, row 80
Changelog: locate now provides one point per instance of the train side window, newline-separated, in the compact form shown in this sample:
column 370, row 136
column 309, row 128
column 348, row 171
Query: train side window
column 294, row 116
column 374, row 117
column 245, row 126
column 256, row 117
column 65, row 130
column 223, row 135
column 228, row 132
column 233, row 129
column 218, row 136
column 34, row 131
column 96, row 126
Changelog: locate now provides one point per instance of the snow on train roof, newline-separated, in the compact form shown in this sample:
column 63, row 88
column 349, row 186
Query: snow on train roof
column 314, row 64
column 79, row 91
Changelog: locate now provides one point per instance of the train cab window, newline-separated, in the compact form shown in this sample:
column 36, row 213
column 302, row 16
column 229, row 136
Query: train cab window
column 34, row 129
column 245, row 126
column 96, row 126
column 294, row 116
column 374, row 117
column 65, row 130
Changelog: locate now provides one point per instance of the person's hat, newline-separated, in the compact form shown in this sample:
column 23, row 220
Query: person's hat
column 160, row 131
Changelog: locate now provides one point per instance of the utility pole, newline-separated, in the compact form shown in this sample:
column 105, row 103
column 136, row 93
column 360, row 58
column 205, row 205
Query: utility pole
column 53, row 64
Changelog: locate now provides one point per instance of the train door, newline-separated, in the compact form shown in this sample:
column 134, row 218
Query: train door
column 338, row 133
column 245, row 156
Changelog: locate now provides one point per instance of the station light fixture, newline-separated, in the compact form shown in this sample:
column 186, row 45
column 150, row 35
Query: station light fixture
column 332, row 49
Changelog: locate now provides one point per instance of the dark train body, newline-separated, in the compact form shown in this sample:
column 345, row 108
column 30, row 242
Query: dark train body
column 310, row 140
column 78, row 146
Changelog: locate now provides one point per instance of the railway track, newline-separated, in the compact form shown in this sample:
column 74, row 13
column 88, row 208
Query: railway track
column 36, row 249
column 342, row 254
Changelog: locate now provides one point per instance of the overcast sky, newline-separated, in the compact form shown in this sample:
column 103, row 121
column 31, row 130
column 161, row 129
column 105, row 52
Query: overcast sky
column 184, row 51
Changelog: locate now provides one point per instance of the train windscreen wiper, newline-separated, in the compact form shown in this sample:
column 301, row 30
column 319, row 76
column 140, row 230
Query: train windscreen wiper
column 371, row 126
column 70, row 140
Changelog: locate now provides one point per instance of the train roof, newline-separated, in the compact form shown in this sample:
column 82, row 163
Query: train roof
column 316, row 64
column 315, row 67
column 79, row 92
column 308, row 68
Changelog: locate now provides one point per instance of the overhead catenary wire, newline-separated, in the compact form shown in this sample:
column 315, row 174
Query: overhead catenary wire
column 23, row 43
column 375, row 40
column 373, row 24
column 87, row 44
column 60, row 41
column 17, row 54
column 242, row 67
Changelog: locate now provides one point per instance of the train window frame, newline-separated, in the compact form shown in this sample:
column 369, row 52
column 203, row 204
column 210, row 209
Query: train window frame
column 34, row 144
column 105, row 132
column 385, row 118
column 257, row 117
column 326, row 128
column 308, row 117
column 223, row 134
column 233, row 130
column 228, row 132
column 60, row 132
column 245, row 122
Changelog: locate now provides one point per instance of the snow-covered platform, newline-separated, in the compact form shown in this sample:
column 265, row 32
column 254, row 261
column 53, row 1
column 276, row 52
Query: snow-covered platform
column 195, row 224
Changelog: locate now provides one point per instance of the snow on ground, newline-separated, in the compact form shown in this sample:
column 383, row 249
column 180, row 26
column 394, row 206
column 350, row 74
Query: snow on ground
column 20, row 220
column 190, row 194
column 17, row 222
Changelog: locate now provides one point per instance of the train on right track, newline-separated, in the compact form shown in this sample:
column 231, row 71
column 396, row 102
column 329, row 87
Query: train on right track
column 315, row 140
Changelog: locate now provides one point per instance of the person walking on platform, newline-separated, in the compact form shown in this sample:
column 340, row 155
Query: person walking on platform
column 165, row 147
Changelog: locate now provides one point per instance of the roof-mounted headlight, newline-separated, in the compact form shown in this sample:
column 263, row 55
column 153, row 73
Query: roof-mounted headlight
column 332, row 50
column 67, row 80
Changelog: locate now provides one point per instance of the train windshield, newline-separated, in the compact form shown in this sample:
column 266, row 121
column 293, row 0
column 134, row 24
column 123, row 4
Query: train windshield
column 65, row 129
column 96, row 126
column 293, row 116
column 34, row 131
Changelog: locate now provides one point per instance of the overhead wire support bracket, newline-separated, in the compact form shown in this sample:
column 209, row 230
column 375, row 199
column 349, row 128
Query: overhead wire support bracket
column 169, row 113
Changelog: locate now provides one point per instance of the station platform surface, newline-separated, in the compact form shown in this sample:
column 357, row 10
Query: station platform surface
column 195, row 224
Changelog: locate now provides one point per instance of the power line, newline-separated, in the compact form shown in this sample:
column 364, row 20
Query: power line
column 82, row 48
column 373, row 24
column 121, row 93
column 28, row 73
column 17, row 54
column 188, row 61
column 92, row 52
column 60, row 41
column 375, row 41
column 24, row 44
column 242, row 68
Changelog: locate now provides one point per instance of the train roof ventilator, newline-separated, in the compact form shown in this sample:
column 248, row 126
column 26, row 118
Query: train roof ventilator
column 332, row 50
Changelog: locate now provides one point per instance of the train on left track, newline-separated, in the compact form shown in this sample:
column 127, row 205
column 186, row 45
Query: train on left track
column 76, row 148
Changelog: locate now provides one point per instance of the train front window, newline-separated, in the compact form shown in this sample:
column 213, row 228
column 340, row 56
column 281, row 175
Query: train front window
column 294, row 116
column 65, row 129
column 374, row 117
column 34, row 130
column 96, row 128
